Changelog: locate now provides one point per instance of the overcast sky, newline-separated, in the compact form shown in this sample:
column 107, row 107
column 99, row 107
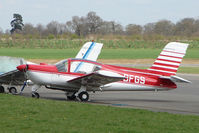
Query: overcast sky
column 122, row 11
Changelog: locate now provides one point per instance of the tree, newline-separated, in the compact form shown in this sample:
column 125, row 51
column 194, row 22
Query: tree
column 29, row 29
column 17, row 23
column 69, row 27
column 164, row 27
column 149, row 28
column 40, row 29
column 1, row 31
column 110, row 27
column 185, row 27
column 93, row 22
column 79, row 25
column 133, row 29
column 52, row 27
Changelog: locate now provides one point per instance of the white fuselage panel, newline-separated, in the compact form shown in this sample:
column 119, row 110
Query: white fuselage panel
column 60, row 80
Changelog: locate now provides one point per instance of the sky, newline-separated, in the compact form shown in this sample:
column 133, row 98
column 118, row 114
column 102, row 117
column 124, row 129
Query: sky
column 121, row 11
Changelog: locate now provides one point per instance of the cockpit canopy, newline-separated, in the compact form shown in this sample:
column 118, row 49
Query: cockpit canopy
column 78, row 66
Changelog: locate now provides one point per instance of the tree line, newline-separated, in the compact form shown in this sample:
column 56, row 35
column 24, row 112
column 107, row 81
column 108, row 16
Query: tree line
column 92, row 24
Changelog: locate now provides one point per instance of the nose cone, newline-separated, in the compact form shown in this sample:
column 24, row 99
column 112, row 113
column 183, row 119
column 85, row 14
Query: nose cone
column 21, row 67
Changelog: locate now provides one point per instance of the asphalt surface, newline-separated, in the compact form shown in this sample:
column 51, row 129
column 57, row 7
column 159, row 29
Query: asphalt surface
column 183, row 100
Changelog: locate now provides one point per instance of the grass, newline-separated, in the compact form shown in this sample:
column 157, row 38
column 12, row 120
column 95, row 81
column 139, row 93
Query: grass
column 21, row 115
column 194, row 70
column 105, row 54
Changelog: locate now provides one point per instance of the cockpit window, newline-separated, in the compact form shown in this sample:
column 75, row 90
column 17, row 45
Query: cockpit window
column 62, row 66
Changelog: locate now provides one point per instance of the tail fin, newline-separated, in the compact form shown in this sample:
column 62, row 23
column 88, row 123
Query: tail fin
column 169, row 59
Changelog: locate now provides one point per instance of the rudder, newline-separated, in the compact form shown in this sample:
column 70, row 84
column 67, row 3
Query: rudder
column 169, row 59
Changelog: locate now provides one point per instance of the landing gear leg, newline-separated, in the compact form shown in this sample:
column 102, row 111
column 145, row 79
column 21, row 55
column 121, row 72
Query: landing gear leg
column 34, row 91
column 2, row 90
column 71, row 95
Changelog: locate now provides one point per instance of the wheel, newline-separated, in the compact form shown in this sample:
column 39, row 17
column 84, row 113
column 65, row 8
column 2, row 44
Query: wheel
column 13, row 90
column 35, row 95
column 2, row 90
column 83, row 96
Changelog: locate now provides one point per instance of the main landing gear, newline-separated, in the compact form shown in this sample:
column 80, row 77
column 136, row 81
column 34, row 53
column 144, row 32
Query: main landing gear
column 70, row 95
column 12, row 90
column 35, row 87
column 35, row 95
column 83, row 96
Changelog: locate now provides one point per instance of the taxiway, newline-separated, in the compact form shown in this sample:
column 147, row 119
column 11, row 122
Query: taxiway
column 184, row 99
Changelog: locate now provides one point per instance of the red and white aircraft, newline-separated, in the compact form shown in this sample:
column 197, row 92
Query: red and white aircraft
column 79, row 76
column 10, row 76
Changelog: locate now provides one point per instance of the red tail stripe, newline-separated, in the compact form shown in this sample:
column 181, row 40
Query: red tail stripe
column 173, row 52
column 169, row 60
column 162, row 64
column 164, row 69
column 171, row 56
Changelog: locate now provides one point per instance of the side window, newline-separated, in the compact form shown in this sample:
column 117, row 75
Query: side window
column 62, row 66
column 66, row 66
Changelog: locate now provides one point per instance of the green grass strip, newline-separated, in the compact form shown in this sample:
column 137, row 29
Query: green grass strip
column 105, row 54
column 21, row 115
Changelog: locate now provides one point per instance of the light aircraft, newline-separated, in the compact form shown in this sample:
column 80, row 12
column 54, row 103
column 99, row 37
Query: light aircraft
column 10, row 76
column 77, row 77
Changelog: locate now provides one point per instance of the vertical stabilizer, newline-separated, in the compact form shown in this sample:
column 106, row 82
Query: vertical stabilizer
column 169, row 59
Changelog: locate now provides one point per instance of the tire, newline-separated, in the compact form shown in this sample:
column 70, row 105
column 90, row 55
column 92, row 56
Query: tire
column 2, row 90
column 35, row 95
column 83, row 96
column 13, row 90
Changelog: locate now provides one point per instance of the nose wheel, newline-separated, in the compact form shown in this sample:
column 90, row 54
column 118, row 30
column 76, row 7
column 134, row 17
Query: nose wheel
column 83, row 96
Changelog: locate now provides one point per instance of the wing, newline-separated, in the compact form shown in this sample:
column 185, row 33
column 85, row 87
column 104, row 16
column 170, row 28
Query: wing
column 15, row 77
column 90, row 51
column 9, row 73
column 97, row 79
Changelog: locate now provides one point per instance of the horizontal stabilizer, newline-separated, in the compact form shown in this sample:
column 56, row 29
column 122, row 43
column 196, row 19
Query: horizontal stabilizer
column 176, row 79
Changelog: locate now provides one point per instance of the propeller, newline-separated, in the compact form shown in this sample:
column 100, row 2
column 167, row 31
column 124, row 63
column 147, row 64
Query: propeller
column 23, row 68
